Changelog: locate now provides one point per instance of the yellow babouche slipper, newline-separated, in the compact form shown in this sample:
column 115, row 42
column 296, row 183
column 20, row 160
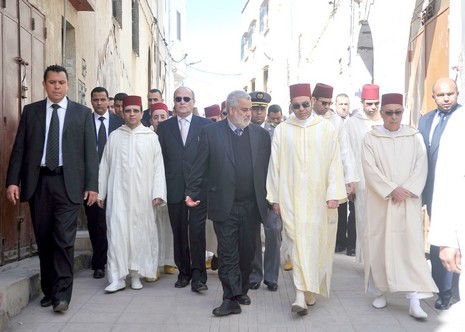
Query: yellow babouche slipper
column 168, row 269
column 287, row 266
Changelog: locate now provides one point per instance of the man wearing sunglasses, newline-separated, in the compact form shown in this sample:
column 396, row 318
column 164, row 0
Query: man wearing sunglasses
column 357, row 126
column 322, row 100
column 305, row 181
column 395, row 166
column 179, row 140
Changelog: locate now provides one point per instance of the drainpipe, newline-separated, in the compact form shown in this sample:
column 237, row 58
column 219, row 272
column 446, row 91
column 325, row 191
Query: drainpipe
column 63, row 27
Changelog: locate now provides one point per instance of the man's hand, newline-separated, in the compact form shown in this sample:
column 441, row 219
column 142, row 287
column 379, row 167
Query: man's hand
column 350, row 188
column 399, row 195
column 91, row 197
column 190, row 202
column 451, row 259
column 157, row 201
column 12, row 193
column 332, row 204
column 276, row 209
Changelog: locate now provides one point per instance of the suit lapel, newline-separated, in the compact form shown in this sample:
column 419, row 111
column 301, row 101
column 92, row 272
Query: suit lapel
column 193, row 131
column 226, row 139
column 69, row 115
column 42, row 115
column 253, row 136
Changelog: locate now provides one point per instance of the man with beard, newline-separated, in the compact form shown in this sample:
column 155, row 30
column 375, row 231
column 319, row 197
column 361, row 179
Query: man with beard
column 232, row 160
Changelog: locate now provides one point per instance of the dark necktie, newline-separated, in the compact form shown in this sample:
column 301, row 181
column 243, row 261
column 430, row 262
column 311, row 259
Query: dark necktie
column 101, row 138
column 53, row 140
column 238, row 131
column 438, row 131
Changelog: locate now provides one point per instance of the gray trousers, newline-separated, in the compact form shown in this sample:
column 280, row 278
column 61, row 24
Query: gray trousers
column 268, row 268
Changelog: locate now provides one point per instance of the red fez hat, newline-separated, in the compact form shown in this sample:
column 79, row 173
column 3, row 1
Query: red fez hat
column 132, row 100
column 213, row 110
column 322, row 91
column 370, row 92
column 301, row 89
column 158, row 106
column 223, row 105
column 392, row 98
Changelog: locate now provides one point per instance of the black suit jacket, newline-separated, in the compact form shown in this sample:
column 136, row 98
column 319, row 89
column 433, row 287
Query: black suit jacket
column 179, row 158
column 115, row 122
column 80, row 160
column 215, row 164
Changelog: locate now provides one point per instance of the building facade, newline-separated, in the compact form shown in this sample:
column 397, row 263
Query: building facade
column 122, row 45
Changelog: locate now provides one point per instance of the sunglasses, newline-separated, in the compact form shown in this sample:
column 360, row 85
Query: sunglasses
column 325, row 103
column 376, row 103
column 224, row 113
column 305, row 104
column 131, row 110
column 186, row 99
column 391, row 113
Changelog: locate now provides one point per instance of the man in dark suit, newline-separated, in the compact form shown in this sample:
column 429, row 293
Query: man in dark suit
column 153, row 96
column 431, row 126
column 233, row 162
column 55, row 160
column 104, row 123
column 179, row 140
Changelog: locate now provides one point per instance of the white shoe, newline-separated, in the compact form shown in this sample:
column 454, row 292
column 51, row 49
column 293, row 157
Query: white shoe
column 380, row 302
column 416, row 311
column 299, row 306
column 116, row 286
column 310, row 298
column 136, row 284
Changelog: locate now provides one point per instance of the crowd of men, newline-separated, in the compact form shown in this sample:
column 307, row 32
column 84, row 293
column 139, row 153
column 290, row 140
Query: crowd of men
column 320, row 182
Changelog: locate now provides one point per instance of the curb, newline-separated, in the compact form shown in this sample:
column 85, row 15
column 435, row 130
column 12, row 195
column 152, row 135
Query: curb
column 20, row 283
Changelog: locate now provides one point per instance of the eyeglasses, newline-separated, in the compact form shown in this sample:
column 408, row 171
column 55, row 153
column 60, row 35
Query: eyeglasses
column 186, row 99
column 305, row 104
column 325, row 103
column 391, row 113
column 371, row 103
column 131, row 110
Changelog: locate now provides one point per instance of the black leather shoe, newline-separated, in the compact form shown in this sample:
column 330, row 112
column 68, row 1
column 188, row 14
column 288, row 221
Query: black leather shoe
column 181, row 283
column 254, row 285
column 99, row 273
column 272, row 286
column 214, row 263
column 350, row 252
column 340, row 248
column 228, row 307
column 198, row 286
column 60, row 306
column 443, row 303
column 244, row 299
column 46, row 302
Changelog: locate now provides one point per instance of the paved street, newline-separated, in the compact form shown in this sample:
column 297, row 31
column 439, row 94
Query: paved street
column 161, row 307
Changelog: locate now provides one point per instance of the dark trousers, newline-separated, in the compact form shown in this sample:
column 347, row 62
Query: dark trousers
column 97, row 227
column 266, row 266
column 442, row 278
column 236, row 247
column 54, row 218
column 188, row 226
column 346, row 231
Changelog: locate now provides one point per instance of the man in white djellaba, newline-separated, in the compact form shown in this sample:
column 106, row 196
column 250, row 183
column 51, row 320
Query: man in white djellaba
column 131, row 191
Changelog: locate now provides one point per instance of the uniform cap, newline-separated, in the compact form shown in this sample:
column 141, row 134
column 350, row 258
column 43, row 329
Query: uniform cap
column 260, row 98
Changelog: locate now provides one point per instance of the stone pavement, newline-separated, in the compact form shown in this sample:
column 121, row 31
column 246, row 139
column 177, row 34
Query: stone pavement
column 161, row 307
